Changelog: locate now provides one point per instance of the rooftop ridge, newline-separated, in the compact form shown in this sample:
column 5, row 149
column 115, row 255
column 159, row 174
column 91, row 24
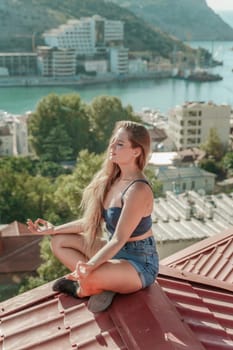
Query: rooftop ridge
column 175, row 273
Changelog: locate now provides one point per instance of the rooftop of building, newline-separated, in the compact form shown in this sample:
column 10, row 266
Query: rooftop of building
column 171, row 172
column 163, row 158
column 191, row 215
column 19, row 249
column 183, row 309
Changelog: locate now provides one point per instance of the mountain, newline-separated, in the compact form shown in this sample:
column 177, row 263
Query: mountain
column 23, row 21
column 185, row 19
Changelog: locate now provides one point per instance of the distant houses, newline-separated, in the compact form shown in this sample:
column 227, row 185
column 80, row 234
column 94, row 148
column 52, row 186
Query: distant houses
column 181, row 179
column 88, row 46
column 13, row 134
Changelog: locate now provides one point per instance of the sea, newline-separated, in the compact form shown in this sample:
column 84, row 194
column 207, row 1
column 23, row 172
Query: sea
column 157, row 94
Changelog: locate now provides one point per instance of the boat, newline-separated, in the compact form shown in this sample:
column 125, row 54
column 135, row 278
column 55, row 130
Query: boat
column 200, row 75
column 203, row 76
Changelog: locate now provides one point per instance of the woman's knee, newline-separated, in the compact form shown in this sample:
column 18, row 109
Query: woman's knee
column 56, row 243
column 73, row 241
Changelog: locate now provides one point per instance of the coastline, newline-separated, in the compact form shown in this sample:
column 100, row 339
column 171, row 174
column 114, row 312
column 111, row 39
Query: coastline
column 38, row 81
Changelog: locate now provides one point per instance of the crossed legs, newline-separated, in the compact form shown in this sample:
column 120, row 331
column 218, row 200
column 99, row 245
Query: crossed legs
column 114, row 275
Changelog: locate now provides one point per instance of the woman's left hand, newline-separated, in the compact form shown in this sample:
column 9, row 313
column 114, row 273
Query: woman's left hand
column 82, row 270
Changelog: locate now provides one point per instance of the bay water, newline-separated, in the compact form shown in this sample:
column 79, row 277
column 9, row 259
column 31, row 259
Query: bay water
column 159, row 94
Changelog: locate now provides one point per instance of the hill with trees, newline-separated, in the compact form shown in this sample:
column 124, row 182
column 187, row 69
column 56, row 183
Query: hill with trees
column 186, row 20
column 22, row 22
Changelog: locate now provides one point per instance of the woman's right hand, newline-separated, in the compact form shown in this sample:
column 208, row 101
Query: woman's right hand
column 40, row 226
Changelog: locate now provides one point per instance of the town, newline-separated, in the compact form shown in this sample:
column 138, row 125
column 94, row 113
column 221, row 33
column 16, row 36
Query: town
column 190, row 170
column 90, row 50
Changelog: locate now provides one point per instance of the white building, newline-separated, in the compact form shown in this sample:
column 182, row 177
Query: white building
column 119, row 60
column 100, row 66
column 56, row 62
column 137, row 66
column 182, row 179
column 87, row 36
column 13, row 135
column 189, row 124
column 113, row 32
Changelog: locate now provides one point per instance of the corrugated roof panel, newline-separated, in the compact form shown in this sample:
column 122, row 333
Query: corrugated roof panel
column 14, row 251
column 212, row 258
column 208, row 313
column 203, row 216
column 134, row 322
column 60, row 318
column 182, row 310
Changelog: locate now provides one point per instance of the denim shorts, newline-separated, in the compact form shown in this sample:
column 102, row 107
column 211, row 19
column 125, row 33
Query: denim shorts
column 144, row 257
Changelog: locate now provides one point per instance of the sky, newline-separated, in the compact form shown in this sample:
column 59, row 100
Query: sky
column 220, row 4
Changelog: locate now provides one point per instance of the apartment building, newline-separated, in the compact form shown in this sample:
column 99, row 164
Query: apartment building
column 189, row 124
column 87, row 36
column 119, row 60
column 56, row 62
column 113, row 32
column 19, row 63
column 77, row 35
column 13, row 135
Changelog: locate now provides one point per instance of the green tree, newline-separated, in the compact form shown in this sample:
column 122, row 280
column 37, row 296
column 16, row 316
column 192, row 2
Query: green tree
column 62, row 123
column 227, row 162
column 214, row 167
column 51, row 169
column 156, row 185
column 69, row 191
column 23, row 196
column 19, row 164
column 54, row 150
column 67, row 198
column 213, row 146
column 32, row 166
column 105, row 111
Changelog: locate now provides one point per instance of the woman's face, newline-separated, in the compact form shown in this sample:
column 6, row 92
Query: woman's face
column 120, row 148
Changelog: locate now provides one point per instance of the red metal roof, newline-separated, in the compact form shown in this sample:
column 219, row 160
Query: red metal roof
column 182, row 310
column 211, row 258
column 15, row 228
column 41, row 320
column 20, row 254
column 208, row 312
column 19, row 249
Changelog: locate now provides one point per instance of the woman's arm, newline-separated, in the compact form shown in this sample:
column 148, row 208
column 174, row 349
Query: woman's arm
column 137, row 203
column 41, row 226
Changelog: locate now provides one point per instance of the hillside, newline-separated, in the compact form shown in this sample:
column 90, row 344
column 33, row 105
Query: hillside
column 23, row 21
column 187, row 20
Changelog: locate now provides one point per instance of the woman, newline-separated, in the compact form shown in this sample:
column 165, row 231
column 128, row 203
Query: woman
column 120, row 196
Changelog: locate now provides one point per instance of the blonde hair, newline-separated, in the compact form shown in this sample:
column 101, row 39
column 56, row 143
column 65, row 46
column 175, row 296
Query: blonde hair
column 95, row 192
